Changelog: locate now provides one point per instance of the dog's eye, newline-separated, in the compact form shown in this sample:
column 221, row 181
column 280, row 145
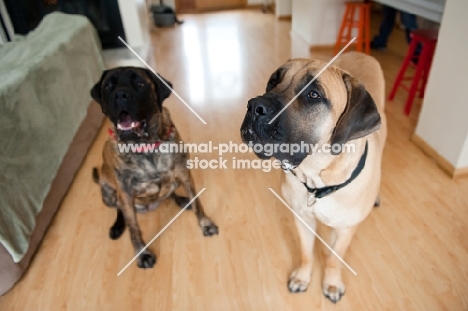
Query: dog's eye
column 313, row 95
column 140, row 84
column 108, row 86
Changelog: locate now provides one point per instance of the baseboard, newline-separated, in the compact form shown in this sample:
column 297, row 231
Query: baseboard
column 270, row 8
column 254, row 6
column 213, row 9
column 460, row 172
column 319, row 47
column 285, row 18
column 445, row 165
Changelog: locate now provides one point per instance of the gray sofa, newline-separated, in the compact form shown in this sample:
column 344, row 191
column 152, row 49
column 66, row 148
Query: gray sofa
column 48, row 123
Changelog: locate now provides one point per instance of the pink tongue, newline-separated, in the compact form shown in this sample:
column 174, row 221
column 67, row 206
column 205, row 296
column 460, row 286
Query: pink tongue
column 125, row 120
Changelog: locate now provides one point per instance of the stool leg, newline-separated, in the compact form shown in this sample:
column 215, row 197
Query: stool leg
column 367, row 29
column 339, row 38
column 360, row 29
column 350, row 24
column 403, row 68
column 414, row 85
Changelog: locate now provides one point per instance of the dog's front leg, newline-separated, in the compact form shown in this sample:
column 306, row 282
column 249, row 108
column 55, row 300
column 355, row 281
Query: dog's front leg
column 300, row 277
column 209, row 228
column 332, row 286
column 146, row 258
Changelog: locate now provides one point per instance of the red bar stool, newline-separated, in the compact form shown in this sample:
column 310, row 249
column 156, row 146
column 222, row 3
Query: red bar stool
column 362, row 24
column 428, row 39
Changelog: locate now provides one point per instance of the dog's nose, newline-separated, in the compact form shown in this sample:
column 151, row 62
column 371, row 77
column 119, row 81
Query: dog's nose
column 257, row 106
column 122, row 95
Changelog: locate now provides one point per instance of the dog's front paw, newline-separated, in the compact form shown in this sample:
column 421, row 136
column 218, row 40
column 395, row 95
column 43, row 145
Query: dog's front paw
column 208, row 227
column 299, row 280
column 210, row 230
column 146, row 260
column 334, row 292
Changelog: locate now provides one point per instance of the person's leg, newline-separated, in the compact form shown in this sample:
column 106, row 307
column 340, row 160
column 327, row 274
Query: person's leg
column 409, row 21
column 386, row 27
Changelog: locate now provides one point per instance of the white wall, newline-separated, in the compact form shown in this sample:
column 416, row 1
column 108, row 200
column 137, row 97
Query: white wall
column 299, row 47
column 463, row 158
column 317, row 21
column 443, row 121
column 283, row 7
column 135, row 22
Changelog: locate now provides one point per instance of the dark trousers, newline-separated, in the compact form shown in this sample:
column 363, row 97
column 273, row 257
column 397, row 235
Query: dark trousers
column 388, row 23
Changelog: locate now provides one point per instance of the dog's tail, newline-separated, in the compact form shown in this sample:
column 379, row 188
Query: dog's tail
column 95, row 175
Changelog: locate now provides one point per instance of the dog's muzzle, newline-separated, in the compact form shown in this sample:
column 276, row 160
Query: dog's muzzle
column 262, row 108
column 129, row 122
column 260, row 111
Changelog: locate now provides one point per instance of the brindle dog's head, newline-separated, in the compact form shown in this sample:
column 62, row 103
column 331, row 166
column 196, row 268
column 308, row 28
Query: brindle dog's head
column 130, row 97
column 334, row 109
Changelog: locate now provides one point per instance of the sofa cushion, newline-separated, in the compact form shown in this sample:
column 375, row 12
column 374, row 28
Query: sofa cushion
column 45, row 80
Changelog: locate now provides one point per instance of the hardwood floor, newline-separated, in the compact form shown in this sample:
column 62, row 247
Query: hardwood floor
column 411, row 253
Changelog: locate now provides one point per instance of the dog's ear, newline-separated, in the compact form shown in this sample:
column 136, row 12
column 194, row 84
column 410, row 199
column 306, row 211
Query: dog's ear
column 360, row 116
column 276, row 78
column 161, row 85
column 96, row 89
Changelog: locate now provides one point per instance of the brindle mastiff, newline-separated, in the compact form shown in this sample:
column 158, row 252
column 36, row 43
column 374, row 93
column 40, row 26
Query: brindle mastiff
column 343, row 105
column 132, row 99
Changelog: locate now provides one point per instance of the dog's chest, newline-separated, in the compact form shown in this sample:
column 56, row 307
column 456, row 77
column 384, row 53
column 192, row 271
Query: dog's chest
column 325, row 210
column 144, row 174
column 339, row 209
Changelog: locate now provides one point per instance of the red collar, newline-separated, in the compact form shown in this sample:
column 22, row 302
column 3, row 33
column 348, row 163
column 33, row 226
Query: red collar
column 156, row 144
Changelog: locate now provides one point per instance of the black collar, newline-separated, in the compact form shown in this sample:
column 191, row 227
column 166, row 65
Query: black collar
column 321, row 192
